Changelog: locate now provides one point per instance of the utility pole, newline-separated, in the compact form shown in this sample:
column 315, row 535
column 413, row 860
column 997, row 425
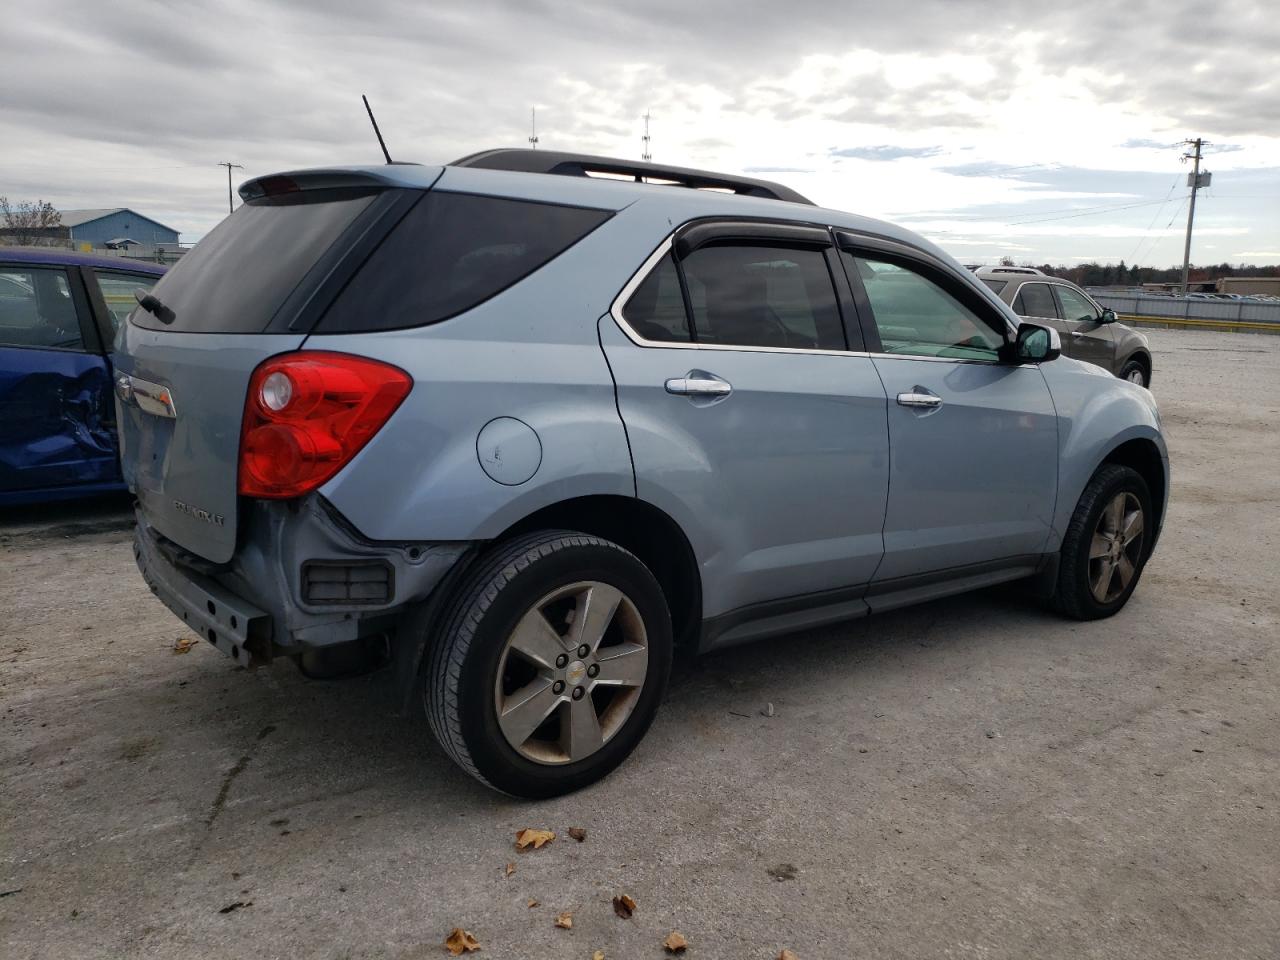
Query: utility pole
column 1194, row 181
column 533, row 127
column 645, row 154
column 230, row 166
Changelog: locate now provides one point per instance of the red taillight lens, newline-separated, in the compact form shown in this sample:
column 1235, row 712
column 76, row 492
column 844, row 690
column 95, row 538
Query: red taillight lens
column 307, row 415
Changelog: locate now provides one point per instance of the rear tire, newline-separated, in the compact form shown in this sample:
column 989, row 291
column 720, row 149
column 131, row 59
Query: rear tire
column 507, row 690
column 1106, row 545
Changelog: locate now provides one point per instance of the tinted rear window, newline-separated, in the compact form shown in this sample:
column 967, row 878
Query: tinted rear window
column 235, row 279
column 451, row 252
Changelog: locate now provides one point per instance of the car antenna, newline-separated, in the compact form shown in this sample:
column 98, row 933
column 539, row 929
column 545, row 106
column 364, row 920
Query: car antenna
column 378, row 132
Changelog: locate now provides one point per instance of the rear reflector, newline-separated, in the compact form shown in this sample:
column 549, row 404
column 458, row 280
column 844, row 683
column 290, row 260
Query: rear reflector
column 307, row 414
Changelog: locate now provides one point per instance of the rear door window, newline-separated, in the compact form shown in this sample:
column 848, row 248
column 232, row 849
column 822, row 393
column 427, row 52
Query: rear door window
column 450, row 253
column 1035, row 300
column 37, row 309
column 995, row 285
column 762, row 296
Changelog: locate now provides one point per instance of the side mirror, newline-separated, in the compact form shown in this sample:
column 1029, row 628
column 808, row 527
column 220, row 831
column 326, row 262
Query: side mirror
column 1108, row 316
column 1036, row 344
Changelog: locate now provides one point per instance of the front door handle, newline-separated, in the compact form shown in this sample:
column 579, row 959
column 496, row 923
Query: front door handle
column 919, row 397
column 699, row 384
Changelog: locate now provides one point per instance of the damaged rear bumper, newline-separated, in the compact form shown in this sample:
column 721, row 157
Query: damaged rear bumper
column 302, row 579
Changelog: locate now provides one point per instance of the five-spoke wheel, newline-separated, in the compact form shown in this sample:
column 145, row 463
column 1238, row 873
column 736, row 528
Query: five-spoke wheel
column 551, row 663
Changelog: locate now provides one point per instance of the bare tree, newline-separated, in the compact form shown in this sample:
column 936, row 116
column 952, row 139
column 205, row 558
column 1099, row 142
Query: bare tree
column 29, row 224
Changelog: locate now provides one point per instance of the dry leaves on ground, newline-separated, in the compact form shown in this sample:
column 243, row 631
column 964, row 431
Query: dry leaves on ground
column 675, row 942
column 624, row 906
column 460, row 941
column 598, row 955
column 183, row 644
column 534, row 903
column 564, row 920
column 530, row 837
column 509, row 869
column 787, row 955
column 578, row 833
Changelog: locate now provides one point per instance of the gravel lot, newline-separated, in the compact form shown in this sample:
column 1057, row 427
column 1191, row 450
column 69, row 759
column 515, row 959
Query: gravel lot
column 970, row 778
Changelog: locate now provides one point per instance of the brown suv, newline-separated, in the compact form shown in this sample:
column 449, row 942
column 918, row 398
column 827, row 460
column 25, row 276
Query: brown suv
column 1089, row 332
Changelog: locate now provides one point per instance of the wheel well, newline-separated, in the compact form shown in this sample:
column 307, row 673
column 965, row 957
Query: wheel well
column 648, row 533
column 1144, row 457
column 1144, row 359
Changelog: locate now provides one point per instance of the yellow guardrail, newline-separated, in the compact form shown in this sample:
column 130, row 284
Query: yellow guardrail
column 1192, row 323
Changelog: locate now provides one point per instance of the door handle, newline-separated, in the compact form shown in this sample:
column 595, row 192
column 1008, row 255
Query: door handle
column 699, row 383
column 919, row 398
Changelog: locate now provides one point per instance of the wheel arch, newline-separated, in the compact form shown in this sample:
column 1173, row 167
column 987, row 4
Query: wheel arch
column 1143, row 456
column 645, row 530
column 1144, row 358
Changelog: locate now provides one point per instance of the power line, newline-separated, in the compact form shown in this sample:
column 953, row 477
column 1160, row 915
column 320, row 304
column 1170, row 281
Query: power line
column 1155, row 216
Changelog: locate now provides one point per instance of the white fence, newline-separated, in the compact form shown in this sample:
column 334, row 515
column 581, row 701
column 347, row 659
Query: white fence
column 1146, row 305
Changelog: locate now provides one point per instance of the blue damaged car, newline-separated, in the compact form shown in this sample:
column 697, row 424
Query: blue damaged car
column 521, row 426
column 59, row 312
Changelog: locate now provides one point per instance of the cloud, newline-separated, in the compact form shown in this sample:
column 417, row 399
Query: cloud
column 887, row 152
column 997, row 124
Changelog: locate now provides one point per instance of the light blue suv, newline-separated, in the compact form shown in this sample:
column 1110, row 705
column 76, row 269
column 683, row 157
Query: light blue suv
column 518, row 431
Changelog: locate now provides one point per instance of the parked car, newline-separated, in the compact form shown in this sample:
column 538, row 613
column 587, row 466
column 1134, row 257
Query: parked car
column 1090, row 332
column 59, row 311
column 521, row 432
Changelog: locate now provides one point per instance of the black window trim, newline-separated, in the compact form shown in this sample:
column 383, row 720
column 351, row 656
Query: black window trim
column 745, row 231
column 883, row 249
column 90, row 339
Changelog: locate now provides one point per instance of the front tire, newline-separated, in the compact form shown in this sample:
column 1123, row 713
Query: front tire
column 554, row 656
column 1135, row 371
column 1106, row 545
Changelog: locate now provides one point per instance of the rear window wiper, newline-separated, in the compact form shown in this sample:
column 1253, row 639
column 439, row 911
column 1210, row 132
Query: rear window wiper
column 151, row 304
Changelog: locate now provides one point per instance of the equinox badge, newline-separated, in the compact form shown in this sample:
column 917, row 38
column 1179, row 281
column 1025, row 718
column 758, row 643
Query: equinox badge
column 199, row 513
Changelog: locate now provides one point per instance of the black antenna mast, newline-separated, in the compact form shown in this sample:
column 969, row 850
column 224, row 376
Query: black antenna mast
column 381, row 142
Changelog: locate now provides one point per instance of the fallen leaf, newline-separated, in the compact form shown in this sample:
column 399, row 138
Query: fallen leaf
column 460, row 941
column 564, row 920
column 533, row 903
column 598, row 955
column 578, row 833
column 787, row 955
column 624, row 906
column 675, row 942
column 529, row 837
column 510, row 869
column 183, row 644
column 236, row 906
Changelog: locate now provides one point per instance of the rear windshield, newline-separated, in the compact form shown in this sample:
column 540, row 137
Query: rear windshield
column 451, row 252
column 995, row 285
column 235, row 279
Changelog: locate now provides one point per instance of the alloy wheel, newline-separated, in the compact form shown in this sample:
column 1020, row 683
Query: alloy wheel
column 1116, row 547
column 571, row 672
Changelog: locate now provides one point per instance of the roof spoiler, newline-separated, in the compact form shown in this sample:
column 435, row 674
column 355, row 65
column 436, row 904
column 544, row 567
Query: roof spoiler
column 277, row 184
column 585, row 165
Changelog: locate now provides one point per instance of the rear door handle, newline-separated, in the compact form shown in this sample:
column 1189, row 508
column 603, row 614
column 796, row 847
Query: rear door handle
column 699, row 383
column 919, row 397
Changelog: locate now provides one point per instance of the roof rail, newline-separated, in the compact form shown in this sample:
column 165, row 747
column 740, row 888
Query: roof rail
column 584, row 165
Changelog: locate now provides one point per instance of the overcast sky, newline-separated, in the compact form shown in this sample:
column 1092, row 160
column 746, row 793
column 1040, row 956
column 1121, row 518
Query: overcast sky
column 1044, row 131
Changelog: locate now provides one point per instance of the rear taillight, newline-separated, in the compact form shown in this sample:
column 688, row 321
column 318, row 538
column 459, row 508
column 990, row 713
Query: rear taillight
column 307, row 415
